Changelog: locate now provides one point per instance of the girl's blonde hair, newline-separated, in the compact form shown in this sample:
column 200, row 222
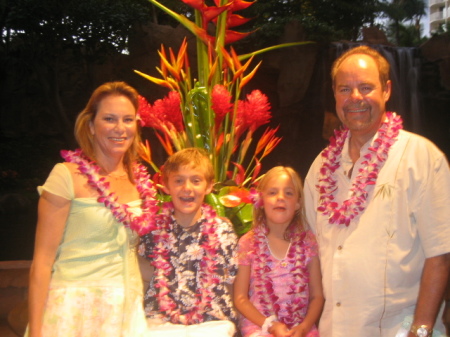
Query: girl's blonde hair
column 298, row 223
column 84, row 137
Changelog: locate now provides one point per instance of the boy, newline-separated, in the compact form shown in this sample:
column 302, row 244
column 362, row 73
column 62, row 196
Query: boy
column 193, row 254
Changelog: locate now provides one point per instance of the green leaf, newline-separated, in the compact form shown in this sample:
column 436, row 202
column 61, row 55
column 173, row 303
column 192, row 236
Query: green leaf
column 200, row 117
column 212, row 199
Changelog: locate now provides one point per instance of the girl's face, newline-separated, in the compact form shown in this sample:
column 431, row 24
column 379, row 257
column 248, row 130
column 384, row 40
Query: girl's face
column 280, row 200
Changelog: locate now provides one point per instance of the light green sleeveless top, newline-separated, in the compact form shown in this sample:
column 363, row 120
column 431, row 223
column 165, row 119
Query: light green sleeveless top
column 95, row 248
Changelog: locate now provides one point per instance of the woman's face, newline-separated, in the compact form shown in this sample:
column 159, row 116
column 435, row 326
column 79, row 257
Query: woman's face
column 114, row 127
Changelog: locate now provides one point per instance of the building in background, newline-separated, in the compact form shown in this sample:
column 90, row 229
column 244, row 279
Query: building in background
column 439, row 14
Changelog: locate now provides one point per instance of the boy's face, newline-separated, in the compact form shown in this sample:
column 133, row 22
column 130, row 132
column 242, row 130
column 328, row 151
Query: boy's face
column 188, row 188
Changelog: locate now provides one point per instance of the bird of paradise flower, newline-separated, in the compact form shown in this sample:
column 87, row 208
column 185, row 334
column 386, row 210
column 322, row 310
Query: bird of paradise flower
column 208, row 112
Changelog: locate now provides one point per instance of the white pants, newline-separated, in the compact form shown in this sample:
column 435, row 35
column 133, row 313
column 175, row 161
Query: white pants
column 206, row 329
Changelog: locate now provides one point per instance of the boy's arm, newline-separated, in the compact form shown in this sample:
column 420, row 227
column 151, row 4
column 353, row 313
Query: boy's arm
column 229, row 244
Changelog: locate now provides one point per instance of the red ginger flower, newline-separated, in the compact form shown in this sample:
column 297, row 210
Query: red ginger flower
column 253, row 112
column 144, row 112
column 221, row 104
column 168, row 110
column 165, row 113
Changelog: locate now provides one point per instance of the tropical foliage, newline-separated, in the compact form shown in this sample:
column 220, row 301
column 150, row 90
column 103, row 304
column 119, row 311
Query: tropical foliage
column 207, row 110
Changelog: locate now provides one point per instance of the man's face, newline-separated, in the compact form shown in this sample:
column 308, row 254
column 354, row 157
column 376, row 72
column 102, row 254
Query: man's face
column 360, row 96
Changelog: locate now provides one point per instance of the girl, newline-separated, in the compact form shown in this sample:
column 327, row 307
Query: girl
column 278, row 288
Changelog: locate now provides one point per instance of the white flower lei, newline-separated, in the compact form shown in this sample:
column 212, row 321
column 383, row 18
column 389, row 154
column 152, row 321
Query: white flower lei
column 368, row 174
column 143, row 223
column 264, row 287
column 163, row 238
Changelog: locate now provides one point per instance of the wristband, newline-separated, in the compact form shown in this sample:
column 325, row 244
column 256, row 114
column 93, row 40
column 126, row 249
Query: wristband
column 268, row 322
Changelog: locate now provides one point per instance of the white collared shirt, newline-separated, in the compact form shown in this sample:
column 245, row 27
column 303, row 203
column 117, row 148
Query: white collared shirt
column 371, row 269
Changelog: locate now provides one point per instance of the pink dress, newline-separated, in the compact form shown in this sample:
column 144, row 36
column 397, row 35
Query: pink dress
column 281, row 276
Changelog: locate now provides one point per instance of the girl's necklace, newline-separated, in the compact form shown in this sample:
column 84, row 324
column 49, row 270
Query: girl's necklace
column 264, row 287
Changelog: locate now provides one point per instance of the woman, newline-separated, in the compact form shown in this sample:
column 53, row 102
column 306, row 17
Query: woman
column 84, row 279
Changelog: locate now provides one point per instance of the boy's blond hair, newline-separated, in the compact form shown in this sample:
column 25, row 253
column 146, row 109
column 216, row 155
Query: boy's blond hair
column 193, row 156
column 298, row 223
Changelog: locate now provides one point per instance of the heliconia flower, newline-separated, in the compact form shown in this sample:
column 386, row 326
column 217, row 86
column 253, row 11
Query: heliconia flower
column 240, row 176
column 253, row 112
column 166, row 143
column 234, row 20
column 145, row 152
column 221, row 103
column 238, row 5
column 265, row 138
column 208, row 13
column 256, row 170
column 233, row 36
column 273, row 142
column 163, row 83
column 249, row 76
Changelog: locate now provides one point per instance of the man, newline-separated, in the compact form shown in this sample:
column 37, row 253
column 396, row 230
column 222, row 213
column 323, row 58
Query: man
column 378, row 200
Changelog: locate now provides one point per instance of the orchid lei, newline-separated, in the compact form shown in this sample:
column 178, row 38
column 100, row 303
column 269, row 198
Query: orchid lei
column 368, row 174
column 141, row 224
column 264, row 288
column 164, row 239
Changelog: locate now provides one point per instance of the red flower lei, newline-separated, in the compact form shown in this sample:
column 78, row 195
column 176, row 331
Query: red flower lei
column 164, row 239
column 141, row 224
column 368, row 174
column 264, row 288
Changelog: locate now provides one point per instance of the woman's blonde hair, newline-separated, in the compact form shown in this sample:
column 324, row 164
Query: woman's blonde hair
column 83, row 135
column 298, row 223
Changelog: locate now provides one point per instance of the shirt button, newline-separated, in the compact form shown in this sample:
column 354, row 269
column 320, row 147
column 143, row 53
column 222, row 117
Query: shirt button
column 338, row 304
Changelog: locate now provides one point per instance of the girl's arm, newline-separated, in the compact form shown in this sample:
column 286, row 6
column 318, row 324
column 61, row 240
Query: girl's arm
column 247, row 309
column 316, row 299
column 241, row 300
column 53, row 211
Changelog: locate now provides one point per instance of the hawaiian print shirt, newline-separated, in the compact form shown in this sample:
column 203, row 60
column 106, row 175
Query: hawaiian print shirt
column 184, row 255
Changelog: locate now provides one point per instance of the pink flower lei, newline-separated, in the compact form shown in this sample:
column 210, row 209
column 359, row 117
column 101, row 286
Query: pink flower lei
column 264, row 288
column 164, row 239
column 141, row 224
column 368, row 174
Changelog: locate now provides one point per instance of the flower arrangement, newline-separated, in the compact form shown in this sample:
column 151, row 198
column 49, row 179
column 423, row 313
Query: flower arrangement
column 208, row 111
